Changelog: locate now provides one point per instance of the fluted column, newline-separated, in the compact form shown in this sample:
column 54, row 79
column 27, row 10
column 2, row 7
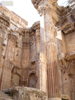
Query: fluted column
column 47, row 46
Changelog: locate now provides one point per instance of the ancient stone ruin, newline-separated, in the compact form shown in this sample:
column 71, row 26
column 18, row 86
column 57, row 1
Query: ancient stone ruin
column 41, row 57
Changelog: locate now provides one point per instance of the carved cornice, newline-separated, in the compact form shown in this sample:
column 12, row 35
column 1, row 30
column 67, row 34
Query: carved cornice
column 4, row 19
column 68, row 27
column 67, row 20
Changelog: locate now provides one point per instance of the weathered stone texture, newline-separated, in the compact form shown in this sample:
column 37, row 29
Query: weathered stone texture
column 24, row 93
column 40, row 56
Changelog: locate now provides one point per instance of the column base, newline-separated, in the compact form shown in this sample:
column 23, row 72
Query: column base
column 54, row 99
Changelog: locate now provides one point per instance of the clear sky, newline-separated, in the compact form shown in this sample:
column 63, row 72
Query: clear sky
column 25, row 9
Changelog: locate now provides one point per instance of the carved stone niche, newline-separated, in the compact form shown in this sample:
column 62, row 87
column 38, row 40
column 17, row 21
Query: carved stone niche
column 15, row 78
column 32, row 80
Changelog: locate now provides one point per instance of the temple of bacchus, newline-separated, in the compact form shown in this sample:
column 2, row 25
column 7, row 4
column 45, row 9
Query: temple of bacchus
column 38, row 63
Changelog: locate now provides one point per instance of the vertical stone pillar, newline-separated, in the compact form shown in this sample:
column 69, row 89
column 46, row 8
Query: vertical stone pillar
column 41, row 62
column 51, row 57
column 48, row 53
column 4, row 28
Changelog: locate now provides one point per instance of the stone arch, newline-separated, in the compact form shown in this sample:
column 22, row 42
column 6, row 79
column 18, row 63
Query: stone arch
column 32, row 80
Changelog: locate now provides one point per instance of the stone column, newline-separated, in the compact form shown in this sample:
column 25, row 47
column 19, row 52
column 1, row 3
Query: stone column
column 52, row 66
column 47, row 47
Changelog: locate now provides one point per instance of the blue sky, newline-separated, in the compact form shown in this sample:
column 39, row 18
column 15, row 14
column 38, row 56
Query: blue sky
column 25, row 9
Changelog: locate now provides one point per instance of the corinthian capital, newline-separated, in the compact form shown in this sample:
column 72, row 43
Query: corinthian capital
column 43, row 9
column 44, row 3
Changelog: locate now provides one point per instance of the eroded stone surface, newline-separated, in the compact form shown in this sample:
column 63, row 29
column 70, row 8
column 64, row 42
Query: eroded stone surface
column 24, row 93
column 28, row 56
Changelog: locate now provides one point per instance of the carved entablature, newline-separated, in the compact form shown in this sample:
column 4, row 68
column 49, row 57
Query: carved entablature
column 66, row 19
column 68, row 27
column 36, row 26
column 4, row 20
column 21, row 31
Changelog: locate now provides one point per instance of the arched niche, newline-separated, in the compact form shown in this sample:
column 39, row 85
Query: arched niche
column 15, row 79
column 32, row 80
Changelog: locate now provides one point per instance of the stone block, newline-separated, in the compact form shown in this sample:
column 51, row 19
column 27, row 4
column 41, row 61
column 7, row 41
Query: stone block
column 25, row 93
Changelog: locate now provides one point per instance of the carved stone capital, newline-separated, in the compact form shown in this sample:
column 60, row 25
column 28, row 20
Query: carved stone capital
column 44, row 9
column 44, row 5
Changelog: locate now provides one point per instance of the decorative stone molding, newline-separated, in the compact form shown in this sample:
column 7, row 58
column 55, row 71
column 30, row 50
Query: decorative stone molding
column 44, row 9
column 63, row 65
column 35, row 26
column 13, row 38
column 4, row 22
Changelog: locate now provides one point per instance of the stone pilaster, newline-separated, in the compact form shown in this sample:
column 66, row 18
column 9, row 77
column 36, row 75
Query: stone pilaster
column 41, row 63
column 4, row 24
column 26, row 50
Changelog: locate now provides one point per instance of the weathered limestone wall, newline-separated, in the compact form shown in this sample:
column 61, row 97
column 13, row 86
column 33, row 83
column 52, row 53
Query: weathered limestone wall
column 28, row 56
column 66, row 50
column 15, row 20
column 10, row 47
